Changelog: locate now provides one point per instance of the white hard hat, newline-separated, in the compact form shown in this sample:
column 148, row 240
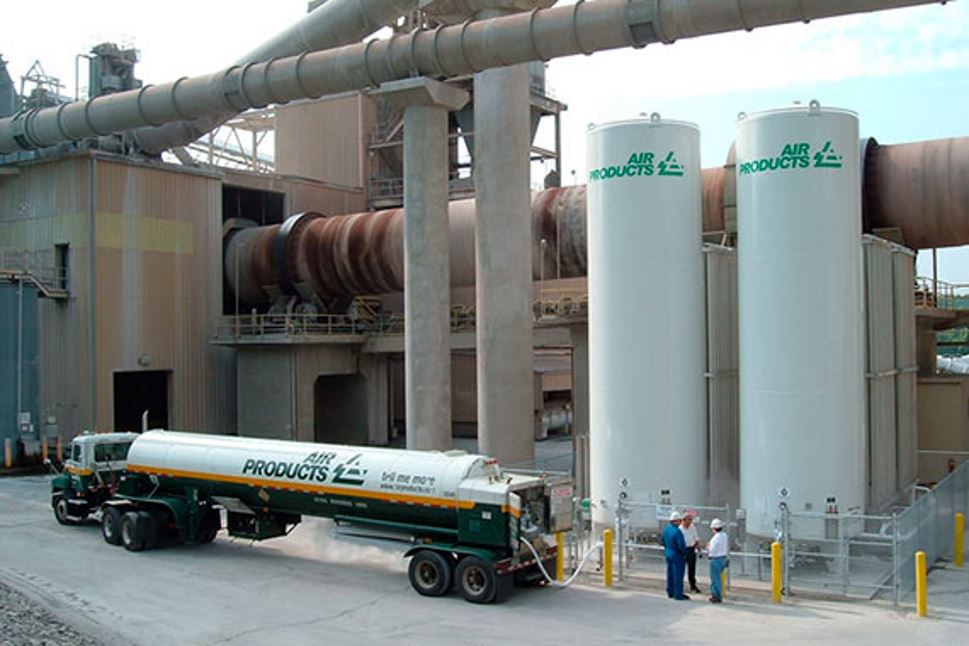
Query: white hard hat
column 675, row 516
column 716, row 523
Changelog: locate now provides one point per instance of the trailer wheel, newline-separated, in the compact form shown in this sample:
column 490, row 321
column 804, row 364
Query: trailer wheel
column 210, row 526
column 149, row 527
column 476, row 580
column 62, row 511
column 131, row 532
column 430, row 573
column 111, row 525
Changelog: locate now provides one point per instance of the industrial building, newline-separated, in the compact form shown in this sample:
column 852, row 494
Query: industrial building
column 387, row 275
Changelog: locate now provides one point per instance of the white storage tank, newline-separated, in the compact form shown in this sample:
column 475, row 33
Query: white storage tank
column 802, row 417
column 646, row 317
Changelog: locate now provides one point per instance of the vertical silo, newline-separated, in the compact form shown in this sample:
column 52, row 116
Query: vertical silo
column 802, row 417
column 646, row 318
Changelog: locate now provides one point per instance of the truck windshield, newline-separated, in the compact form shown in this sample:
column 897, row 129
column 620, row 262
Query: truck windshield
column 111, row 452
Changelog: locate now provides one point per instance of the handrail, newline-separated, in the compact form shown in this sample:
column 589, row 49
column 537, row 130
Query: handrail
column 365, row 319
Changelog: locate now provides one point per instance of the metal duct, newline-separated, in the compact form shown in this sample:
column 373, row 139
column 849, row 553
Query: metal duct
column 543, row 34
column 335, row 23
column 920, row 188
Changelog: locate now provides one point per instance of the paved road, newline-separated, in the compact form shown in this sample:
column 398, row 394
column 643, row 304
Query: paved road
column 313, row 587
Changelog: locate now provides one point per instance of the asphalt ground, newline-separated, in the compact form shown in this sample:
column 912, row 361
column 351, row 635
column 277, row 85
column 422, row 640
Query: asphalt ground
column 315, row 586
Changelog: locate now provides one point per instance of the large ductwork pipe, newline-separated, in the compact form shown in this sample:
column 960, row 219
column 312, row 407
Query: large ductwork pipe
column 335, row 23
column 542, row 34
column 920, row 189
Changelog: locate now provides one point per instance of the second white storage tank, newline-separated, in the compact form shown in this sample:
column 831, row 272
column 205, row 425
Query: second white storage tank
column 646, row 317
column 802, row 418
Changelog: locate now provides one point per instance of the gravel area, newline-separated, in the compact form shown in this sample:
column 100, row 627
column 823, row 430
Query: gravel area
column 25, row 623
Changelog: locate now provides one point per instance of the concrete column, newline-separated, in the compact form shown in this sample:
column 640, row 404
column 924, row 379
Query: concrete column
column 427, row 282
column 504, row 263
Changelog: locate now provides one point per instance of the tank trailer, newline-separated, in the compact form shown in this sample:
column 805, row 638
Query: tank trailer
column 469, row 522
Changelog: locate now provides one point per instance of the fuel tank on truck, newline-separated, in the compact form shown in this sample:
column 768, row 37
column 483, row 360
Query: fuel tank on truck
column 343, row 482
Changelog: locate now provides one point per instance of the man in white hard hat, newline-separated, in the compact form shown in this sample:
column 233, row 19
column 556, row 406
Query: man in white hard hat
column 674, row 549
column 717, row 549
column 692, row 539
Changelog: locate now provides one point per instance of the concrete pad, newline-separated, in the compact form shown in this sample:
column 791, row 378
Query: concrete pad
column 314, row 587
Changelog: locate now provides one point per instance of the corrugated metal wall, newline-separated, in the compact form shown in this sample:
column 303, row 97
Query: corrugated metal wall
column 880, row 370
column 891, row 370
column 723, row 409
column 159, row 237
column 46, row 204
column 903, row 261
column 10, row 299
column 326, row 140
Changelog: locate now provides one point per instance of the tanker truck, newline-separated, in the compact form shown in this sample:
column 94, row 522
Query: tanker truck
column 472, row 526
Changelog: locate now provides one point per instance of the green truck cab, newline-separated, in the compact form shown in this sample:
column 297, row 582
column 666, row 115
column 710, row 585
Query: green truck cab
column 91, row 475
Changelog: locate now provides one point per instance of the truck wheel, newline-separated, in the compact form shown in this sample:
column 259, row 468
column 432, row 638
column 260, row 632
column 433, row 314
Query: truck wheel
column 62, row 511
column 210, row 526
column 430, row 573
column 111, row 525
column 131, row 533
column 149, row 526
column 476, row 580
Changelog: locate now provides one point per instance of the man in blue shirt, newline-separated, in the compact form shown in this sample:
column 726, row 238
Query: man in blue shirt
column 674, row 548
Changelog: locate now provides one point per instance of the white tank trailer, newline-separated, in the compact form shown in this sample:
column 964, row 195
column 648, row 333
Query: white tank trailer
column 646, row 316
column 468, row 520
column 802, row 417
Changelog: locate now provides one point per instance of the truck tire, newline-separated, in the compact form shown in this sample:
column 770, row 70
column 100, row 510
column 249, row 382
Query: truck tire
column 211, row 525
column 430, row 573
column 62, row 510
column 476, row 580
column 111, row 525
column 149, row 525
column 131, row 532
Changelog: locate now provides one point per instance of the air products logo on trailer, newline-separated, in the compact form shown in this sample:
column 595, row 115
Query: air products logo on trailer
column 794, row 156
column 642, row 164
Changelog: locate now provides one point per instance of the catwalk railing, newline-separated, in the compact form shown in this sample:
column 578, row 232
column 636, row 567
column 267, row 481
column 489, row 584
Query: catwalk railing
column 558, row 307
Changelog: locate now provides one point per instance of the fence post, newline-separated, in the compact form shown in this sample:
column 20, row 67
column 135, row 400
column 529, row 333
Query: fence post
column 921, row 585
column 607, row 557
column 896, row 583
column 776, row 569
column 960, row 539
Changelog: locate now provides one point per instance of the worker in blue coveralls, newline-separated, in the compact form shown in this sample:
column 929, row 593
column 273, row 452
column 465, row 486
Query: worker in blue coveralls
column 674, row 548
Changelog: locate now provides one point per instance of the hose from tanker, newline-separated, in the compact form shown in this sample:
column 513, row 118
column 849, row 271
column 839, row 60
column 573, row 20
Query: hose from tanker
column 568, row 581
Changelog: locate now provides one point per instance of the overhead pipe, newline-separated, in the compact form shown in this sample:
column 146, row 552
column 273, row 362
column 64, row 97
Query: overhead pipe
column 921, row 189
column 334, row 23
column 542, row 34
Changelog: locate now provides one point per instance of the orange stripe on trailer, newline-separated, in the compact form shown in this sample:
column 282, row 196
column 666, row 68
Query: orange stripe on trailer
column 302, row 487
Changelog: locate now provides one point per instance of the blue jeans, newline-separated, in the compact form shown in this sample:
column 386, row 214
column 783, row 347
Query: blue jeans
column 717, row 566
column 675, row 566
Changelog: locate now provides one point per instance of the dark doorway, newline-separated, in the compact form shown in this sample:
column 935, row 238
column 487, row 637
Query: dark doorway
column 340, row 409
column 136, row 392
column 261, row 207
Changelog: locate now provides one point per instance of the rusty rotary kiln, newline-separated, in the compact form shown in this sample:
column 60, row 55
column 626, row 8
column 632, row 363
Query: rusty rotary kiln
column 917, row 193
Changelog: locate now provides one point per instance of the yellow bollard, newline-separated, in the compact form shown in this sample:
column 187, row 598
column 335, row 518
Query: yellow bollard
column 723, row 584
column 560, row 556
column 776, row 571
column 921, row 585
column 607, row 557
column 7, row 453
column 43, row 449
column 960, row 539
column 60, row 449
